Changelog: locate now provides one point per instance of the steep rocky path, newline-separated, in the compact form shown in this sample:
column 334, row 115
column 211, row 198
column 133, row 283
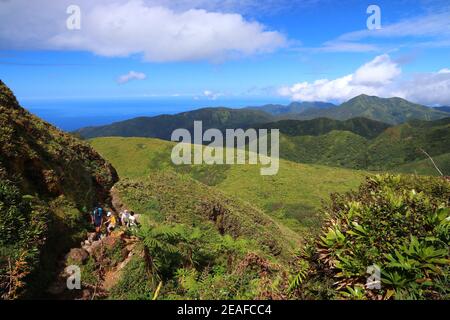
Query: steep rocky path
column 107, row 270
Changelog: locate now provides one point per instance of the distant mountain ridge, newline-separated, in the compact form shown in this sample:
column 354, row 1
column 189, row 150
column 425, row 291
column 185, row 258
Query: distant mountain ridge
column 390, row 111
column 162, row 126
column 293, row 108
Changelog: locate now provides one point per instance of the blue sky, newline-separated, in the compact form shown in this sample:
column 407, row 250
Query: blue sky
column 209, row 50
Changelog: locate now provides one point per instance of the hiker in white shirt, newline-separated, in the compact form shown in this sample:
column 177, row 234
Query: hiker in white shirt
column 124, row 218
column 132, row 222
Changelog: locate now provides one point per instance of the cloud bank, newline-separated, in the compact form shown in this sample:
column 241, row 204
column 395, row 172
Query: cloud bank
column 381, row 77
column 128, row 27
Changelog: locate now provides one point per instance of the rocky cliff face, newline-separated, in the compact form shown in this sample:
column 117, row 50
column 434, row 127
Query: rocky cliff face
column 48, row 182
column 46, row 161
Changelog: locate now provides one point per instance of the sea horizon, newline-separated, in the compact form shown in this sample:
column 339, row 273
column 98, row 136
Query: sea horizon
column 70, row 114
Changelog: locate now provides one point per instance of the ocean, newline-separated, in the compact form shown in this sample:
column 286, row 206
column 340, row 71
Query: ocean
column 72, row 114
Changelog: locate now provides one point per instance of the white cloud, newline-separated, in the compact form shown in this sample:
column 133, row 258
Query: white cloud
column 380, row 77
column 127, row 27
column 428, row 88
column 212, row 95
column 432, row 30
column 132, row 75
column 378, row 72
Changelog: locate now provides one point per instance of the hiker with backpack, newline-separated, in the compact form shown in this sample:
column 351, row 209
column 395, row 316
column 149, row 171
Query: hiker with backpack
column 97, row 219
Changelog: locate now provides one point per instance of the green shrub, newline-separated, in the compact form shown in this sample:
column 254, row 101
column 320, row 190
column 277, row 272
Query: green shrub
column 399, row 223
column 23, row 227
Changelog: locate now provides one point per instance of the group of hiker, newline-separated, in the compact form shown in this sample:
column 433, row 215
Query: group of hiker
column 126, row 218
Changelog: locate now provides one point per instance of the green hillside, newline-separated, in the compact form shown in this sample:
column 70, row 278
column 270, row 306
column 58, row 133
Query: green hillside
column 402, row 144
column 387, row 110
column 443, row 109
column 336, row 149
column 394, row 147
column 361, row 126
column 426, row 167
column 218, row 222
column 292, row 196
column 201, row 243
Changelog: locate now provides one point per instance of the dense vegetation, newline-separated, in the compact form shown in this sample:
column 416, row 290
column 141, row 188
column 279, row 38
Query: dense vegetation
column 400, row 224
column 48, row 179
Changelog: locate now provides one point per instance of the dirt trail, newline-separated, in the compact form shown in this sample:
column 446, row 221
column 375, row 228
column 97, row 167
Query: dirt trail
column 107, row 272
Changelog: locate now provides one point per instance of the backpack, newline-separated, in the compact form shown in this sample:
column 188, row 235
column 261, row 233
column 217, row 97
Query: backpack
column 98, row 212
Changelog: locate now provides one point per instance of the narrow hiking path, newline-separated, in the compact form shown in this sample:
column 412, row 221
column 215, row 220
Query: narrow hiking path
column 104, row 271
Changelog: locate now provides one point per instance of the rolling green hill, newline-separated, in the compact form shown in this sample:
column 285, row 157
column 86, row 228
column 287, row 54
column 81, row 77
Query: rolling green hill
column 387, row 110
column 292, row 197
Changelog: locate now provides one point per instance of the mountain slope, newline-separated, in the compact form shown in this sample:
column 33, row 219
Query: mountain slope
column 336, row 149
column 402, row 144
column 364, row 127
column 162, row 126
column 394, row 147
column 443, row 109
column 390, row 110
column 426, row 167
column 47, row 181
